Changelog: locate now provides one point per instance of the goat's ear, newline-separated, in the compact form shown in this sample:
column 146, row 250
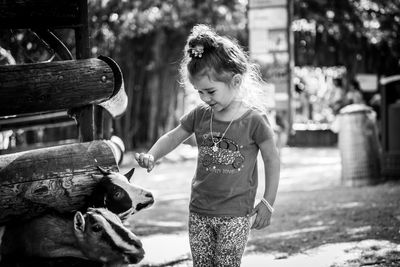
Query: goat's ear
column 129, row 174
column 79, row 222
column 104, row 171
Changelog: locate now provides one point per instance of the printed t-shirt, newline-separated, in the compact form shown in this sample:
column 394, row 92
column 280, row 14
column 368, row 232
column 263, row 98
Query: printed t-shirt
column 225, row 181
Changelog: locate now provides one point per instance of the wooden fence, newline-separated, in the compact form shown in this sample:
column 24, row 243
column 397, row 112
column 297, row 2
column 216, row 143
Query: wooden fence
column 79, row 91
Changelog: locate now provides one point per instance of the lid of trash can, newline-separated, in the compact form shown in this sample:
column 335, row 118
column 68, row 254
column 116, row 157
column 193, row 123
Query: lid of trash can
column 354, row 108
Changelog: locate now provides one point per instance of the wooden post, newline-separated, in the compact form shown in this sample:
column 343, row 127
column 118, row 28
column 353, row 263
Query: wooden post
column 58, row 178
column 88, row 122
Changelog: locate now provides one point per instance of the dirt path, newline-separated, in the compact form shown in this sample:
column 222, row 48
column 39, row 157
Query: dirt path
column 316, row 220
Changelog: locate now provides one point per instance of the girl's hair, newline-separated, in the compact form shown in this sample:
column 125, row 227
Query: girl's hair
column 220, row 58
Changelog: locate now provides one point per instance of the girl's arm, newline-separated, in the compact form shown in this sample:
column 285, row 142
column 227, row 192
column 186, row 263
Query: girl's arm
column 271, row 161
column 162, row 147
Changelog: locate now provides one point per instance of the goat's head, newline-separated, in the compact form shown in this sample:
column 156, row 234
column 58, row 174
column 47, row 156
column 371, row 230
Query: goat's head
column 102, row 236
column 115, row 192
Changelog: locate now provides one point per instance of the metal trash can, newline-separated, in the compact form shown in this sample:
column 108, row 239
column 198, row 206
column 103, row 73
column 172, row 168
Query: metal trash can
column 359, row 145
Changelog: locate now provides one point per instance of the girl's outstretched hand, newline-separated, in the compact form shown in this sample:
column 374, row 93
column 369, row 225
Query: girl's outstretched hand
column 145, row 161
column 263, row 216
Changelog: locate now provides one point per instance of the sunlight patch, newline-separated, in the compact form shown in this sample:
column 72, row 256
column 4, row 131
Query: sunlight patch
column 293, row 233
column 331, row 255
column 165, row 248
column 164, row 223
column 350, row 205
column 359, row 230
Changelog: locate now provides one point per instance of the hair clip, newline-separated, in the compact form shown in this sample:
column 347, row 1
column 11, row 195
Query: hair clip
column 197, row 51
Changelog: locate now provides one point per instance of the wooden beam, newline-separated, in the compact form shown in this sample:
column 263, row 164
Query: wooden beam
column 40, row 14
column 33, row 122
column 29, row 88
column 37, row 145
column 57, row 178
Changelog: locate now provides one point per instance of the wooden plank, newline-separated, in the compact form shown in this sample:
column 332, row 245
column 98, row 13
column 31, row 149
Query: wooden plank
column 32, row 122
column 37, row 145
column 37, row 87
column 59, row 178
column 40, row 14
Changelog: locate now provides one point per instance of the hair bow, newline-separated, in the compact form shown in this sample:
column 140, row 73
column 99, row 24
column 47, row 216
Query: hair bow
column 197, row 51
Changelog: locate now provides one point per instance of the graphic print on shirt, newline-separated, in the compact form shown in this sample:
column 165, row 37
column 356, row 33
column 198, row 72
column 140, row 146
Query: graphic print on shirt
column 225, row 158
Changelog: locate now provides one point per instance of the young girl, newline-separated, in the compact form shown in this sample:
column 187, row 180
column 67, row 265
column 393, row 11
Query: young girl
column 230, row 130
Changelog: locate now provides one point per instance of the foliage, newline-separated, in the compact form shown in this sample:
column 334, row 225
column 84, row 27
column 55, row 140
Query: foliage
column 146, row 38
column 113, row 21
column 350, row 28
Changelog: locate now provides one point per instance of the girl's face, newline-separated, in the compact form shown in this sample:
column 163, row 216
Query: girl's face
column 218, row 95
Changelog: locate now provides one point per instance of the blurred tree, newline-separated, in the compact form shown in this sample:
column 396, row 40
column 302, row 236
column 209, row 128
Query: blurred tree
column 146, row 38
column 362, row 35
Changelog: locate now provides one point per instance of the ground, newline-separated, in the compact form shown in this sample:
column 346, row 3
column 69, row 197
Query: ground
column 317, row 222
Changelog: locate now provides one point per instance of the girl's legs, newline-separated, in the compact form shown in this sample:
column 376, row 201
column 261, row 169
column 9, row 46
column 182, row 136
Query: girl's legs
column 217, row 241
column 232, row 238
column 202, row 238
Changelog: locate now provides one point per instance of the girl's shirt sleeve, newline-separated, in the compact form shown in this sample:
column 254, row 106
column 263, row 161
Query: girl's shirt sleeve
column 262, row 130
column 188, row 121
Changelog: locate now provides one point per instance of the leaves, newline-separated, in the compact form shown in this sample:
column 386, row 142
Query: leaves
column 114, row 20
column 147, row 38
column 351, row 26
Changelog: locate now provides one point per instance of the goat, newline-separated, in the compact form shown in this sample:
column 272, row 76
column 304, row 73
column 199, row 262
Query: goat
column 115, row 192
column 97, row 235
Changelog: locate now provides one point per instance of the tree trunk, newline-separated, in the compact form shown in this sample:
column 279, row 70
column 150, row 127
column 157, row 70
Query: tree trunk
column 154, row 87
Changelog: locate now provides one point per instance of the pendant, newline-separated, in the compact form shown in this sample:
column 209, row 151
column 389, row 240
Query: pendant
column 215, row 148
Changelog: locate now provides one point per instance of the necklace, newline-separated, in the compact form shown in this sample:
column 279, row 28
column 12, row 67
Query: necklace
column 215, row 144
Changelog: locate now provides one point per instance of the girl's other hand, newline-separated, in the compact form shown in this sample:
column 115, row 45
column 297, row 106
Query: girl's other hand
column 263, row 216
column 145, row 161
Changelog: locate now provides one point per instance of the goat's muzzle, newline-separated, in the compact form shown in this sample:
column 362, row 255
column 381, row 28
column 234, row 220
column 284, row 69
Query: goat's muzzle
column 134, row 258
column 146, row 204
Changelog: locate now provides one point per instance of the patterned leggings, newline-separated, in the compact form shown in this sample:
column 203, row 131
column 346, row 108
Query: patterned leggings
column 217, row 241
